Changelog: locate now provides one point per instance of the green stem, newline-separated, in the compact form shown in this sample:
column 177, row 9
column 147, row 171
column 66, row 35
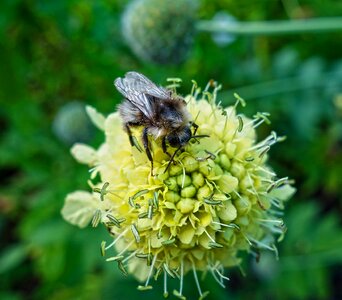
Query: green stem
column 280, row 86
column 273, row 27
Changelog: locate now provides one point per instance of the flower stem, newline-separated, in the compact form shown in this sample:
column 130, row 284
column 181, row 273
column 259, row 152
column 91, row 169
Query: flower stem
column 272, row 27
column 281, row 86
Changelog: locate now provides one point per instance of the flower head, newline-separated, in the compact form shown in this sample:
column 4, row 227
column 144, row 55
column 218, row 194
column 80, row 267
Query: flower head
column 217, row 198
column 160, row 31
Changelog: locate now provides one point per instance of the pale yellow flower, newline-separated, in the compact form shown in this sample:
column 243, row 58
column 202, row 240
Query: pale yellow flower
column 218, row 197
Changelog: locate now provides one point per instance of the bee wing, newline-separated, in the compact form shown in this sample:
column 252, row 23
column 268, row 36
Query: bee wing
column 138, row 89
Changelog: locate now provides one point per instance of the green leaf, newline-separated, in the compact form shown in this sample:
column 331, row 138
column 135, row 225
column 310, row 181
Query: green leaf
column 12, row 257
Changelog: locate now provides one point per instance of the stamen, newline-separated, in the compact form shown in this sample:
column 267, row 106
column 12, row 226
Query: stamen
column 168, row 271
column 209, row 236
column 150, row 209
column 103, row 248
column 237, row 194
column 166, row 293
column 96, row 218
column 194, row 86
column 159, row 270
column 231, row 225
column 214, row 245
column 117, row 238
column 151, row 269
column 140, row 193
column 266, row 171
column 130, row 256
column 218, row 280
column 114, row 221
column 212, row 201
column 239, row 100
column 261, row 244
column 181, row 279
column 246, row 238
column 276, row 212
column 221, row 275
column 183, row 179
column 125, row 249
column 135, row 233
column 103, row 191
column 240, row 127
column 279, row 222
column 168, row 242
column 155, row 199
column 264, row 151
column 196, row 280
column 122, row 268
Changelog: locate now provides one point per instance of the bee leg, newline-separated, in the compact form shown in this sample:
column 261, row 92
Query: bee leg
column 164, row 146
column 130, row 136
column 132, row 140
column 195, row 126
column 172, row 157
column 146, row 146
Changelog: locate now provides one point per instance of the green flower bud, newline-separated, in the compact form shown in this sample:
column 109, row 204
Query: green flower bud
column 237, row 169
column 71, row 124
column 171, row 183
column 188, row 192
column 227, row 183
column 172, row 196
column 190, row 164
column 183, row 180
column 175, row 170
column 204, row 192
column 197, row 179
column 225, row 162
column 186, row 205
column 160, row 31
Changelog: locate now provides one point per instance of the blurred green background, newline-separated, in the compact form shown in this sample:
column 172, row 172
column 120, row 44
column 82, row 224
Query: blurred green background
column 57, row 56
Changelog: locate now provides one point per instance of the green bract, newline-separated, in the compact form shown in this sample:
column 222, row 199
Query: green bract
column 218, row 197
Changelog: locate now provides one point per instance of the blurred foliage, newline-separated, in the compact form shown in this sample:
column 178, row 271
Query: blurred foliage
column 53, row 52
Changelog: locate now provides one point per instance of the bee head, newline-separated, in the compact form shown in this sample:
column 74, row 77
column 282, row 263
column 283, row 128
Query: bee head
column 179, row 137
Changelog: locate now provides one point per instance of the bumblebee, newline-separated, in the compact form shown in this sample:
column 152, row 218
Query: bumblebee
column 162, row 113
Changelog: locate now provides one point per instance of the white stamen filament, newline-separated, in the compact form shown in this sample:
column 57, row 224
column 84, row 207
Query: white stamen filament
column 125, row 249
column 266, row 171
column 151, row 269
column 181, row 277
column 130, row 256
column 260, row 244
column 209, row 236
column 196, row 280
column 165, row 283
column 217, row 279
column 221, row 275
column 116, row 239
column 237, row 194
column 227, row 225
column 280, row 222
